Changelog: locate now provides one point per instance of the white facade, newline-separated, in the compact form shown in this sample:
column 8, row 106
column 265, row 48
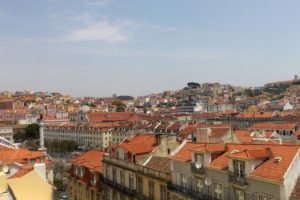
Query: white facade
column 6, row 132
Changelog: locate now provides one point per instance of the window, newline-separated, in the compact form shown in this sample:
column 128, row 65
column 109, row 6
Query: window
column 139, row 185
column 114, row 175
column 239, row 168
column 199, row 158
column 239, row 194
column 122, row 177
column 183, row 180
column 151, row 190
column 131, row 181
column 199, row 185
column 163, row 192
column 218, row 191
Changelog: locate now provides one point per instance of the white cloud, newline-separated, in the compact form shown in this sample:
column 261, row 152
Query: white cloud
column 101, row 31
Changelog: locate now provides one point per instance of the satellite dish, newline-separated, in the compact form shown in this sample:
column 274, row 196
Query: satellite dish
column 207, row 182
column 198, row 165
column 5, row 169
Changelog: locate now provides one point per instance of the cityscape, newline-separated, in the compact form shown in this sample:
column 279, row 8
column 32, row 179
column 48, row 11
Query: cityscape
column 149, row 100
column 204, row 141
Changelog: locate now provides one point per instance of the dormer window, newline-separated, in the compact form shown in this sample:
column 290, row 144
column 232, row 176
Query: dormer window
column 94, row 179
column 199, row 159
column 239, row 169
column 82, row 171
column 76, row 171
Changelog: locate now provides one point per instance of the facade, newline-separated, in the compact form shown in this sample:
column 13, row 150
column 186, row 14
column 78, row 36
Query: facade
column 20, row 170
column 18, row 116
column 89, row 135
column 234, row 171
column 153, row 179
column 6, row 132
column 126, row 173
column 85, row 176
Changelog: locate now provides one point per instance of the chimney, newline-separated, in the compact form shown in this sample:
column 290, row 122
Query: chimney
column 40, row 168
column 3, row 180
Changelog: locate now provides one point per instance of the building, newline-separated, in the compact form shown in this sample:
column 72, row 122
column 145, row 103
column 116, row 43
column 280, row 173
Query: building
column 89, row 135
column 126, row 173
column 234, row 171
column 11, row 104
column 85, row 176
column 6, row 132
column 153, row 178
column 24, row 174
column 18, row 116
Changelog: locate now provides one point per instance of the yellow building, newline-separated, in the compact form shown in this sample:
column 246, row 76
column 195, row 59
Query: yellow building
column 152, row 179
column 29, row 187
column 85, row 176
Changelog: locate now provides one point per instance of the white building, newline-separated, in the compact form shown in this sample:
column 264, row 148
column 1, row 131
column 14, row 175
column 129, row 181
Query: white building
column 6, row 132
column 88, row 135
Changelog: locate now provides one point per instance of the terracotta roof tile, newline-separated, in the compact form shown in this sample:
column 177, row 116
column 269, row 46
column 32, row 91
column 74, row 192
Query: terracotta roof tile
column 274, row 126
column 159, row 163
column 269, row 169
column 91, row 160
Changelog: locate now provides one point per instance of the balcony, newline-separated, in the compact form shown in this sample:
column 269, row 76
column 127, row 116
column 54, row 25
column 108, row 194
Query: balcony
column 238, row 180
column 121, row 188
column 190, row 193
column 194, row 169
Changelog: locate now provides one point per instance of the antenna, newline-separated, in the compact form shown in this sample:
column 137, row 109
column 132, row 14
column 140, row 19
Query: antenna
column 5, row 169
column 207, row 181
column 198, row 165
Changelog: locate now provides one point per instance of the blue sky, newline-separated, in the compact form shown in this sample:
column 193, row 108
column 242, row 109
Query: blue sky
column 137, row 47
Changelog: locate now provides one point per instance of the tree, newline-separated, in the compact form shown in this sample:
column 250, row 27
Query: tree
column 19, row 137
column 32, row 131
column 193, row 85
column 120, row 106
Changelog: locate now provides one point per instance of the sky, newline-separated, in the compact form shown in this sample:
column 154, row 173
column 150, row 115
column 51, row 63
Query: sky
column 138, row 47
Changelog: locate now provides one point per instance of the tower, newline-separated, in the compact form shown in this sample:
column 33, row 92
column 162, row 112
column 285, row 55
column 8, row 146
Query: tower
column 296, row 78
column 42, row 147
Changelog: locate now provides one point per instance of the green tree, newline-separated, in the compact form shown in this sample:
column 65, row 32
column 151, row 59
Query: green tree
column 19, row 137
column 120, row 106
column 32, row 131
column 58, row 183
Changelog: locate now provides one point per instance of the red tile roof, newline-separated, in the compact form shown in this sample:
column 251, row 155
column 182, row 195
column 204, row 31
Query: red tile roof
column 243, row 136
column 159, row 163
column 25, row 169
column 256, row 115
column 184, row 154
column 112, row 116
column 251, row 154
column 274, row 126
column 140, row 144
column 9, row 156
column 91, row 160
column 269, row 169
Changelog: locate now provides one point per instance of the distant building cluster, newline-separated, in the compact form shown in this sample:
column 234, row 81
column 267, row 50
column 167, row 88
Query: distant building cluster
column 205, row 141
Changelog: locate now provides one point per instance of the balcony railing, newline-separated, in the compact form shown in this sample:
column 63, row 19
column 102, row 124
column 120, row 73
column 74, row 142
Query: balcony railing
column 190, row 193
column 237, row 179
column 119, row 187
column 196, row 170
